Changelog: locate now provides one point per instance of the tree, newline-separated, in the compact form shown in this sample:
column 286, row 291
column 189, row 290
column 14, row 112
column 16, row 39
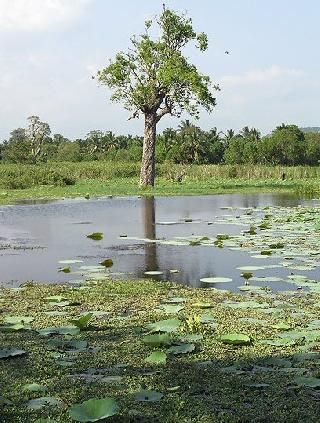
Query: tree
column 37, row 133
column 154, row 79
column 17, row 148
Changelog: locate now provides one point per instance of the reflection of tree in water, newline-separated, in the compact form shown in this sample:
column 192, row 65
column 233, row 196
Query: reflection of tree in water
column 148, row 217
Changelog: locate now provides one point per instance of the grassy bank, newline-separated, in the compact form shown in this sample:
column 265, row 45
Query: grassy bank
column 56, row 180
column 270, row 377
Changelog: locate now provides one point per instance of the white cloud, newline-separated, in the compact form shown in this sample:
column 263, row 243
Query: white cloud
column 261, row 75
column 38, row 15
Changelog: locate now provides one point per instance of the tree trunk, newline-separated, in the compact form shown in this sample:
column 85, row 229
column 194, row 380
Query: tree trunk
column 147, row 174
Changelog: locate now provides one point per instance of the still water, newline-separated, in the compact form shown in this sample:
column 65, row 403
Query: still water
column 34, row 236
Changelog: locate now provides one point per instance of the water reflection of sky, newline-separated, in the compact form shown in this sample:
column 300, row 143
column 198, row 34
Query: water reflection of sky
column 61, row 228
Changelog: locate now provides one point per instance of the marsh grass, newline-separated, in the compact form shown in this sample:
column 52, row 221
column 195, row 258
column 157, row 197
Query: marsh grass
column 67, row 179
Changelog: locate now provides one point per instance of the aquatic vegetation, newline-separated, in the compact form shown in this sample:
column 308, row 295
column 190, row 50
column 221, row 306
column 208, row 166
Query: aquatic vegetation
column 251, row 341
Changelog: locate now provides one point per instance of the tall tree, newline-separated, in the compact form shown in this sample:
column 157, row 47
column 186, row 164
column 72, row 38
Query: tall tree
column 154, row 79
column 37, row 133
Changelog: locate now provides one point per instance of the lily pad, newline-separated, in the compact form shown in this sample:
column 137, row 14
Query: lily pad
column 63, row 330
column 181, row 349
column 96, row 236
column 157, row 357
column 70, row 261
column 34, row 387
column 310, row 382
column 18, row 319
column 235, row 339
column 170, row 308
column 107, row 262
column 215, row 280
column 153, row 273
column 148, row 396
column 38, row 403
column 12, row 352
column 82, row 321
column 157, row 340
column 169, row 325
column 94, row 410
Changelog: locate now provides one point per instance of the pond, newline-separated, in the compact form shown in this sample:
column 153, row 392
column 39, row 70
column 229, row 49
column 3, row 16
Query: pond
column 176, row 236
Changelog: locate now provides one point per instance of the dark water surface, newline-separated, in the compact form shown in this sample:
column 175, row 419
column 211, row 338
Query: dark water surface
column 34, row 236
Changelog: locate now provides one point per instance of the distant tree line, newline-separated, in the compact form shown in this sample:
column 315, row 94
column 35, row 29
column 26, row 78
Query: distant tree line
column 188, row 144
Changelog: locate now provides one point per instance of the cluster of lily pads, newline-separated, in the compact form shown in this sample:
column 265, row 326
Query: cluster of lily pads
column 286, row 238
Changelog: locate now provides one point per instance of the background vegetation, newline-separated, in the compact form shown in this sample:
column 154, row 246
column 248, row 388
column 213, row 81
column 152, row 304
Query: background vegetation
column 286, row 145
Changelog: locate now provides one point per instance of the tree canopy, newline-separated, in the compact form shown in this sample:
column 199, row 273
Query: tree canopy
column 154, row 78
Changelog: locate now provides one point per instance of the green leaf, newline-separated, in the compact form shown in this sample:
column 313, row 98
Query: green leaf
column 157, row 357
column 56, row 298
column 170, row 309
column 94, row 410
column 175, row 300
column 310, row 382
column 157, row 340
column 202, row 305
column 235, row 339
column 96, row 236
column 34, row 387
column 181, row 349
column 148, row 396
column 82, row 321
column 18, row 319
column 63, row 330
column 215, row 280
column 12, row 328
column 169, row 325
column 64, row 269
column 11, row 352
column 39, row 403
column 107, row 262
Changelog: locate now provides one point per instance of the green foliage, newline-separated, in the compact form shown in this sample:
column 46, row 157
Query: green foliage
column 154, row 75
column 94, row 410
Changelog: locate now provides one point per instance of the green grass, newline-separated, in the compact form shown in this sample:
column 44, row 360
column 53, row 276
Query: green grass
column 57, row 180
column 197, row 387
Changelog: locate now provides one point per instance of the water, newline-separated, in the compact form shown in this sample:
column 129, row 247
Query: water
column 34, row 236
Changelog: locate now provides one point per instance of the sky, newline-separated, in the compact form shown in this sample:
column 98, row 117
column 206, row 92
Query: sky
column 49, row 49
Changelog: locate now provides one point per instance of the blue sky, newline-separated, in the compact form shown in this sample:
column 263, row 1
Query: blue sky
column 50, row 48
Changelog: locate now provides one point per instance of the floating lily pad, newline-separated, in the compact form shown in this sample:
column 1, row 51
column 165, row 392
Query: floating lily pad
column 157, row 340
column 250, row 268
column 34, row 387
column 65, row 269
column 12, row 352
column 202, row 305
column 56, row 298
column 96, row 236
column 94, row 410
column 18, row 319
column 170, row 308
column 107, row 262
column 181, row 349
column 38, row 403
column 169, row 325
column 157, row 357
column 70, row 261
column 63, row 330
column 148, row 396
column 310, row 382
column 235, row 339
column 215, row 280
column 82, row 321
column 174, row 300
